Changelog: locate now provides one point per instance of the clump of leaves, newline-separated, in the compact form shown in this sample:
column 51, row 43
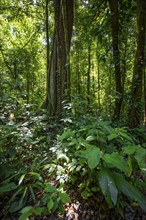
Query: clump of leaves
column 24, row 144
column 104, row 159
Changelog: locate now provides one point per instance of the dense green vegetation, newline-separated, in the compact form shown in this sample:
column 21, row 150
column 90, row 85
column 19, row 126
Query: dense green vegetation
column 72, row 106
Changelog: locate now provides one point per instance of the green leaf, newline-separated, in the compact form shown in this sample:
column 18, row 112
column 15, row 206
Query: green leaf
column 55, row 203
column 90, row 138
column 32, row 193
column 66, row 134
column 36, row 175
column 108, row 186
column 21, row 179
column 26, row 209
column 92, row 154
column 50, row 204
column 8, row 187
column 129, row 190
column 131, row 149
column 50, row 188
column 64, row 198
column 26, row 212
column 38, row 210
column 117, row 161
column 63, row 156
column 112, row 136
column 16, row 206
column 140, row 156
column 126, row 137
column 93, row 157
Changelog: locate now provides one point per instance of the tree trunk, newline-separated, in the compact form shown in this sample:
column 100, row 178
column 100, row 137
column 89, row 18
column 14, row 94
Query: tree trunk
column 145, row 97
column 88, row 76
column 116, row 56
column 98, row 75
column 58, row 79
column 135, row 110
column 45, row 104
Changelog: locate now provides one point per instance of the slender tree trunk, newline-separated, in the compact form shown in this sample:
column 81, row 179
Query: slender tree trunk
column 88, row 76
column 145, row 75
column 47, row 41
column 116, row 56
column 135, row 110
column 145, row 97
column 98, row 75
column 46, row 102
column 78, row 84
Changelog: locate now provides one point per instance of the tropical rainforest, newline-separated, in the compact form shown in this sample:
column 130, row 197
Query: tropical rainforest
column 72, row 109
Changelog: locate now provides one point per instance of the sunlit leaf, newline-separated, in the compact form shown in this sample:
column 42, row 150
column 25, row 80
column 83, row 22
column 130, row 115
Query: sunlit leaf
column 21, row 179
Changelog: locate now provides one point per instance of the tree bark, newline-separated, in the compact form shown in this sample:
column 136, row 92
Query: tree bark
column 88, row 76
column 58, row 75
column 116, row 56
column 135, row 111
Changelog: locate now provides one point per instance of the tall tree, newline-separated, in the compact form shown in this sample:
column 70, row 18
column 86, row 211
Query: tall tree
column 114, row 5
column 58, row 74
column 88, row 76
column 135, row 111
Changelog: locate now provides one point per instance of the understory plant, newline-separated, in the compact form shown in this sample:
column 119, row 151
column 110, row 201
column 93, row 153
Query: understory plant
column 88, row 155
column 26, row 190
column 101, row 159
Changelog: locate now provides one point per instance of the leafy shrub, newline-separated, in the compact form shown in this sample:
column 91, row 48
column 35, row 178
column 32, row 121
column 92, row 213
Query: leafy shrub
column 23, row 152
column 104, row 159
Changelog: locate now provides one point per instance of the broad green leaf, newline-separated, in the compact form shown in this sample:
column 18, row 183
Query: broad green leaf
column 16, row 206
column 82, row 153
column 25, row 213
column 50, row 188
column 92, row 154
column 55, row 203
column 50, row 204
column 129, row 190
column 117, row 161
column 93, row 157
column 66, row 134
column 15, row 194
column 112, row 136
column 126, row 137
column 140, row 156
column 38, row 210
column 108, row 186
column 64, row 198
column 131, row 149
column 26, row 209
column 8, row 187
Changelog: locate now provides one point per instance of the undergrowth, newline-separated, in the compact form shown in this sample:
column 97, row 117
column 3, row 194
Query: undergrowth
column 42, row 159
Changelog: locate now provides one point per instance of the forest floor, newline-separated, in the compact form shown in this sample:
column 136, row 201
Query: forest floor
column 29, row 155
